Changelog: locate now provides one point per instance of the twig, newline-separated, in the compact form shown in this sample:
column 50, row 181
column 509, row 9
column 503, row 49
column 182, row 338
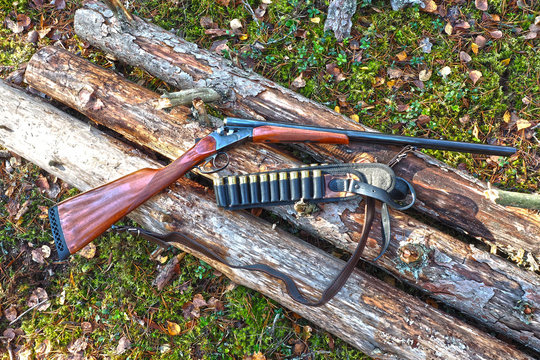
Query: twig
column 28, row 310
column 250, row 9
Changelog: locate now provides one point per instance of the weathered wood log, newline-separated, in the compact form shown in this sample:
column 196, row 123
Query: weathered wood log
column 444, row 193
column 367, row 313
column 340, row 13
column 458, row 274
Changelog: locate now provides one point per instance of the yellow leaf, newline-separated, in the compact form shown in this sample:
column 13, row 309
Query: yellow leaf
column 522, row 124
column 315, row 20
column 474, row 48
column 475, row 131
column 448, row 29
column 430, row 6
column 391, row 83
column 173, row 328
column 402, row 56
column 505, row 62
column 244, row 37
column 355, row 117
column 506, row 117
column 337, row 109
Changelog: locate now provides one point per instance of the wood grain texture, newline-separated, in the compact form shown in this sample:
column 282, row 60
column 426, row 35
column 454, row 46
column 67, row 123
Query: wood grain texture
column 272, row 134
column 246, row 94
column 88, row 215
column 369, row 314
column 475, row 282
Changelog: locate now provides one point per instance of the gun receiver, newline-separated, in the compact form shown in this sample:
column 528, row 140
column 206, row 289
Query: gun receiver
column 77, row 221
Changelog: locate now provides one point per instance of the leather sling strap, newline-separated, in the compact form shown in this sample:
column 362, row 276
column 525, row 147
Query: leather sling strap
column 292, row 289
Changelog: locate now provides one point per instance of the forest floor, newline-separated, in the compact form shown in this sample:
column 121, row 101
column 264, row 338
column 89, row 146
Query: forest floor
column 463, row 70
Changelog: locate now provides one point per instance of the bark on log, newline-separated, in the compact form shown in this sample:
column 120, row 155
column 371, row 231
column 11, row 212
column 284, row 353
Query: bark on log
column 473, row 281
column 444, row 193
column 340, row 13
column 369, row 314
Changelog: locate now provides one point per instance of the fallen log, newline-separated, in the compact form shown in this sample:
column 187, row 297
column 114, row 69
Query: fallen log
column 473, row 281
column 367, row 313
column 444, row 193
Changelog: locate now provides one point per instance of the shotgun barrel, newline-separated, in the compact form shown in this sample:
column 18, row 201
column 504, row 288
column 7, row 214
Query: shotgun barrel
column 385, row 139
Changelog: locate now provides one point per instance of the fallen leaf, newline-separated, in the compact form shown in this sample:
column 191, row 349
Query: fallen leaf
column 465, row 119
column 298, row 348
column 474, row 48
column 403, row 107
column 223, row 2
column 9, row 334
column 422, row 120
column 59, row 4
column 378, row 81
column 445, row 71
column 481, row 4
column 337, row 109
column 424, row 75
column 462, row 26
column 429, row 6
column 299, row 82
column 14, row 26
column 243, row 37
column 258, row 356
column 123, row 345
column 23, row 20
column 235, row 24
column 334, row 70
column 11, row 313
column 506, row 117
column 77, row 345
column 523, row 124
column 394, row 73
column 86, row 327
column 39, row 295
column 480, row 41
column 355, row 118
column 505, row 62
column 43, row 349
column 37, row 256
column 89, row 251
column 306, row 333
column 530, row 35
column 496, row 34
column 402, row 56
column 315, row 20
column 42, row 183
column 207, row 22
column 173, row 328
column 44, row 32
column 216, row 304
column 525, row 100
column 198, row 301
column 475, row 75
column 475, row 131
column 189, row 311
column 448, row 29
column 463, row 56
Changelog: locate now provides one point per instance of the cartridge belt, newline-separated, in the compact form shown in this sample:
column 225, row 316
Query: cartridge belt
column 318, row 183
column 315, row 184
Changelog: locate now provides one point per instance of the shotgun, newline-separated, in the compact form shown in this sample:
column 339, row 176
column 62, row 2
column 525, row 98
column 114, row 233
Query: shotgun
column 78, row 220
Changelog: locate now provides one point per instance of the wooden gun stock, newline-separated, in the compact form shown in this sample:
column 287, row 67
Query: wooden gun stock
column 77, row 221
